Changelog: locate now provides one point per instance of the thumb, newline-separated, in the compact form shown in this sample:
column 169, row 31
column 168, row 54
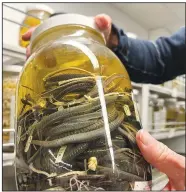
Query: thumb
column 161, row 157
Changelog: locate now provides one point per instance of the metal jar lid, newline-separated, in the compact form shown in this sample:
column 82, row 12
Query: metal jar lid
column 66, row 19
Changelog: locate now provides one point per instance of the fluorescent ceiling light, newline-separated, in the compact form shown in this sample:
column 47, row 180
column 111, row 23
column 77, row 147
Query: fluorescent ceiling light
column 131, row 35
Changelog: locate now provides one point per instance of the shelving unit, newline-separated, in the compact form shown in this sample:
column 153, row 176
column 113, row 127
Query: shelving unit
column 165, row 92
column 161, row 91
column 167, row 133
column 12, row 68
column 146, row 90
column 137, row 85
column 14, row 52
column 8, row 159
column 13, row 60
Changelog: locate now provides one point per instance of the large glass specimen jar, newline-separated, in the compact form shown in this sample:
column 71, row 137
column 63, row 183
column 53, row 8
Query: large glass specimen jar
column 76, row 119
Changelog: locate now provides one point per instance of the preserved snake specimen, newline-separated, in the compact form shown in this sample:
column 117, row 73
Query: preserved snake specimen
column 67, row 142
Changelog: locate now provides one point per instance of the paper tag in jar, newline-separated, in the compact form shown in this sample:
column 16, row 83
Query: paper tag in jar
column 135, row 108
column 60, row 154
column 136, row 111
column 127, row 110
column 142, row 185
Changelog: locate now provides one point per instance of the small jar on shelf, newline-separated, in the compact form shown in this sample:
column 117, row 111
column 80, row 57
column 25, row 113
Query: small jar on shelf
column 181, row 114
column 159, row 114
column 152, row 102
column 171, row 114
column 35, row 15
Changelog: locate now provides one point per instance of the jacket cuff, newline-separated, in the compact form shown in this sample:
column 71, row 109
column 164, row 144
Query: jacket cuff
column 123, row 42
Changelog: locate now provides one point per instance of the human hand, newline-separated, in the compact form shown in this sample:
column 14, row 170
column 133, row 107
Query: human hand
column 26, row 37
column 164, row 159
column 104, row 23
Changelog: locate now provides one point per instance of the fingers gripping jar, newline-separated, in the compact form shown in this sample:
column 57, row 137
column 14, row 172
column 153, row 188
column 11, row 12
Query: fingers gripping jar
column 76, row 122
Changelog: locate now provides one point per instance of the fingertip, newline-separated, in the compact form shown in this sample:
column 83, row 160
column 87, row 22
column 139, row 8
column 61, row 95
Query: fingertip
column 103, row 21
column 146, row 143
column 144, row 137
column 26, row 36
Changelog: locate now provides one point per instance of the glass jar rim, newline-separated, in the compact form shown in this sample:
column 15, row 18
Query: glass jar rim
column 66, row 19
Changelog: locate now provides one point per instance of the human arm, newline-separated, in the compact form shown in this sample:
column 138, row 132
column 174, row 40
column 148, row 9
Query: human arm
column 146, row 61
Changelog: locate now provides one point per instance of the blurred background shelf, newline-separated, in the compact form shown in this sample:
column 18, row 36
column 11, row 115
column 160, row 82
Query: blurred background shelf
column 14, row 52
column 168, row 133
column 8, row 159
column 166, row 92
column 136, row 85
column 12, row 68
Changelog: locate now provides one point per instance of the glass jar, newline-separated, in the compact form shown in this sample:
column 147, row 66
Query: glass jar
column 152, row 102
column 171, row 114
column 35, row 15
column 181, row 114
column 159, row 115
column 76, row 122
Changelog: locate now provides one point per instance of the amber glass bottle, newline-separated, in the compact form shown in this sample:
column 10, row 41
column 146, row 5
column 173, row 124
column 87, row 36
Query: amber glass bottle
column 171, row 114
column 36, row 14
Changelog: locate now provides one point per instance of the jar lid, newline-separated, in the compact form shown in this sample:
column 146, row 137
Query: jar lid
column 66, row 19
column 42, row 7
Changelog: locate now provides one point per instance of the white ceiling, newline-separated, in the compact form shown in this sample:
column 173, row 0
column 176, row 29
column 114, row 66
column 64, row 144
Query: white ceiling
column 155, row 15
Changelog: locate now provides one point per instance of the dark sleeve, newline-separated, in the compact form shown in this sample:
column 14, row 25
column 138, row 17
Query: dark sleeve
column 152, row 62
